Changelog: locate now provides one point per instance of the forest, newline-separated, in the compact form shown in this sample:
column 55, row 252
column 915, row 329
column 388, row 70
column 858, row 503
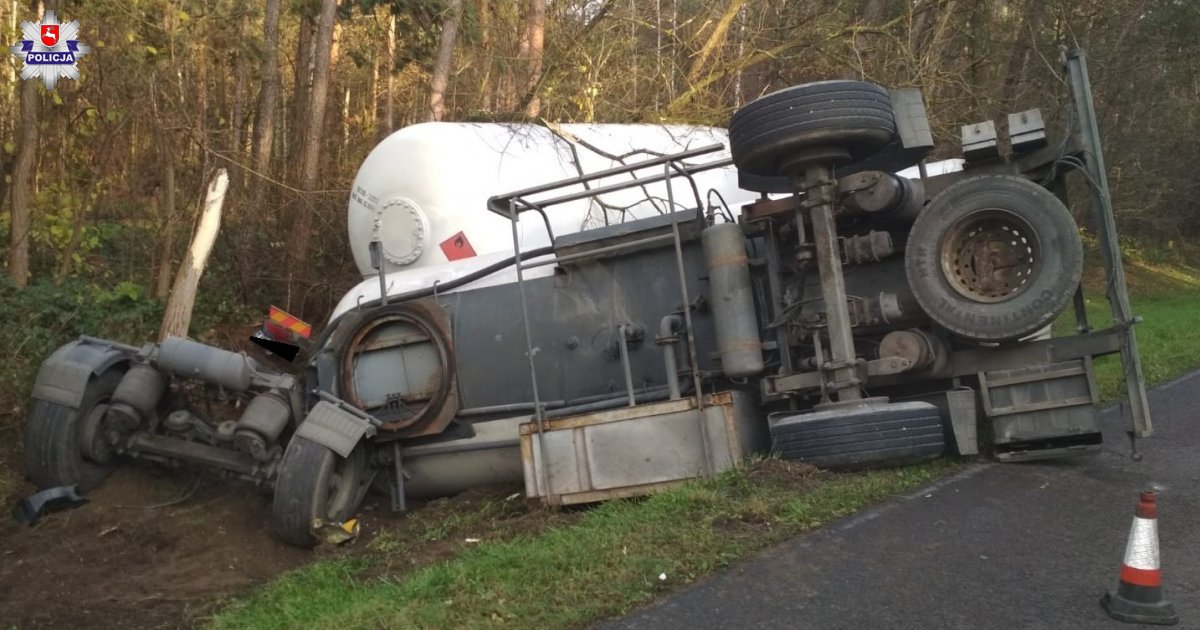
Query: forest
column 104, row 175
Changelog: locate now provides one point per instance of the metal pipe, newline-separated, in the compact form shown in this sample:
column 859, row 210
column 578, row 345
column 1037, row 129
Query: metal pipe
column 499, row 204
column 667, row 338
column 625, row 366
column 591, row 253
column 687, row 302
column 650, row 395
column 697, row 168
column 539, row 412
column 528, row 406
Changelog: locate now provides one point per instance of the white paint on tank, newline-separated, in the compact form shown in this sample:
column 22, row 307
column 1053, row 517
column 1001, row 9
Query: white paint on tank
column 425, row 183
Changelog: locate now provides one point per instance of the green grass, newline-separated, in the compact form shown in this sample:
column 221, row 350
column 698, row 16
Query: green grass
column 1168, row 300
column 605, row 563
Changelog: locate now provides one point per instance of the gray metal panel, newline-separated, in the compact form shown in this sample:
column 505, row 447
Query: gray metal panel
column 574, row 318
column 912, row 123
column 634, row 450
column 618, row 232
column 64, row 376
column 979, row 141
column 1040, row 402
column 961, row 407
column 332, row 427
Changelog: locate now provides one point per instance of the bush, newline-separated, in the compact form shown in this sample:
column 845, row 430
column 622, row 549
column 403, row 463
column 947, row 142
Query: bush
column 42, row 317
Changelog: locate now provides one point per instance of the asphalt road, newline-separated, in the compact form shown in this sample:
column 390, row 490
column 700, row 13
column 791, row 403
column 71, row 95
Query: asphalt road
column 1030, row 545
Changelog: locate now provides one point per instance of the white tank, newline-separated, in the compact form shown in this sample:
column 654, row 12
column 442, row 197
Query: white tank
column 422, row 191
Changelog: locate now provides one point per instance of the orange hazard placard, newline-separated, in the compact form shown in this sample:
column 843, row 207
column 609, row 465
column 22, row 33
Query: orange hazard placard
column 457, row 247
column 290, row 322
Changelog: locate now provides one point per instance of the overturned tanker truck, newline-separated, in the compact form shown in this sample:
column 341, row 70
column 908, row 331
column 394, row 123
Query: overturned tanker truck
column 648, row 317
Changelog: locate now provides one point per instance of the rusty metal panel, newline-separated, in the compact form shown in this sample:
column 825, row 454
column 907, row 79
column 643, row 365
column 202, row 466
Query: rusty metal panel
column 630, row 451
column 1043, row 410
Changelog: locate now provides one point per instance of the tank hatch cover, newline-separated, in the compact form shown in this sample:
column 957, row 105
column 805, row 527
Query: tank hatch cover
column 402, row 228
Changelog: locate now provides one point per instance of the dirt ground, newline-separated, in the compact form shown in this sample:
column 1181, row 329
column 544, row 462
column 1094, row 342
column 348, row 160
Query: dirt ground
column 115, row 563
column 112, row 563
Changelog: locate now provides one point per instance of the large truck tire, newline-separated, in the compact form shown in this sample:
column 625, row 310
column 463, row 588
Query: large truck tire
column 874, row 436
column 767, row 135
column 315, row 483
column 55, row 435
column 994, row 258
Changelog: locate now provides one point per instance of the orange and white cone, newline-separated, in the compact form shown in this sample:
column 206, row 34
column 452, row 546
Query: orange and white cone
column 1139, row 597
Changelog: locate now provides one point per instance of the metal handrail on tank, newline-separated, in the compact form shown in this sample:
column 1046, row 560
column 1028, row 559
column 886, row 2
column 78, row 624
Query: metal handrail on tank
column 502, row 204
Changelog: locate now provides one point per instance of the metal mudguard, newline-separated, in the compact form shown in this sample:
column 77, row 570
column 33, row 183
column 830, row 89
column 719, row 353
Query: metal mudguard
column 335, row 428
column 64, row 376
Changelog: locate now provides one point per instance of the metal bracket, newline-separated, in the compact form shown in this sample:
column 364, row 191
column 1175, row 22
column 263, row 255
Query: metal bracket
column 399, row 501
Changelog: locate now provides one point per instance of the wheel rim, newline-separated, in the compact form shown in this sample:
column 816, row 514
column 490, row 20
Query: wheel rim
column 93, row 443
column 990, row 256
column 340, row 485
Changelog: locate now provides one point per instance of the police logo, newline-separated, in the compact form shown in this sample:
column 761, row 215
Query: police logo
column 51, row 50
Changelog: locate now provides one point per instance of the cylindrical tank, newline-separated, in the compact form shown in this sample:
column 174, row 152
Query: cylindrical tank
column 732, row 300
column 137, row 395
column 190, row 359
column 422, row 191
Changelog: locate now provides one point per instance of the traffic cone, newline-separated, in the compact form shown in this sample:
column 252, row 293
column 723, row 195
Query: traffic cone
column 1139, row 598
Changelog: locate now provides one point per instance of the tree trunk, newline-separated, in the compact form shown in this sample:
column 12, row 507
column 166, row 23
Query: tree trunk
column 302, row 83
column 485, row 52
column 167, row 225
column 389, row 104
column 310, row 151
column 1018, row 62
column 714, row 41
column 371, row 111
column 178, row 314
column 237, row 112
column 68, row 256
column 21, row 188
column 533, row 40
column 268, row 97
column 445, row 56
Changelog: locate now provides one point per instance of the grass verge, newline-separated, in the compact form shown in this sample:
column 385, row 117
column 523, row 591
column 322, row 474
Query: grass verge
column 605, row 562
column 1168, row 300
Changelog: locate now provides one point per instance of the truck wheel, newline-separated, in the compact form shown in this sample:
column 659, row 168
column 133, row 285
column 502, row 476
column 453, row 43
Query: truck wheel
column 994, row 258
column 871, row 437
column 314, row 482
column 65, row 446
column 773, row 134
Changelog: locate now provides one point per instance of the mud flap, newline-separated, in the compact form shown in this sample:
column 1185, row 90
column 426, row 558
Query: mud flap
column 337, row 429
column 64, row 376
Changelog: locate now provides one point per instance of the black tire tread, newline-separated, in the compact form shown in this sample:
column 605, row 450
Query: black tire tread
column 852, row 115
column 1059, row 279
column 833, row 101
column 52, row 456
column 295, row 502
column 853, row 441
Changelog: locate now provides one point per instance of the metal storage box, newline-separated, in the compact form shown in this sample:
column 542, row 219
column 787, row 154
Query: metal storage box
column 630, row 451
